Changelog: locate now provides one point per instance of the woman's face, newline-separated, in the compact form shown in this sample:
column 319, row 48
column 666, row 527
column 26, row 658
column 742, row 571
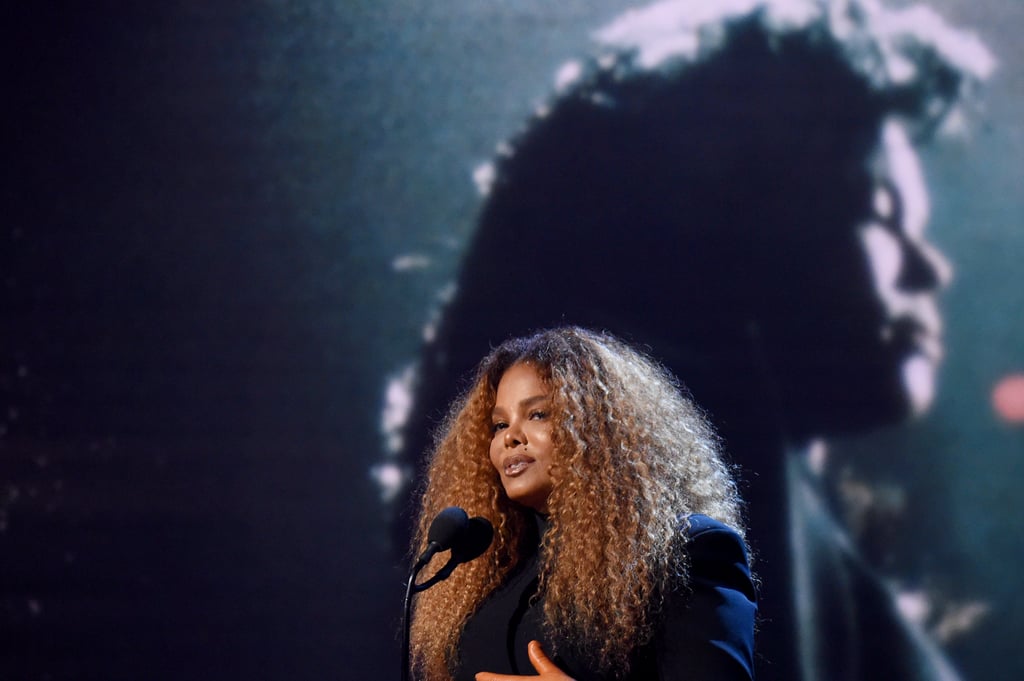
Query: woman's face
column 521, row 448
column 908, row 271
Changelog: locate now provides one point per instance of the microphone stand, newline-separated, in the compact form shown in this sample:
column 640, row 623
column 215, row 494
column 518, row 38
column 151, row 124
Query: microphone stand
column 406, row 624
column 411, row 587
column 476, row 535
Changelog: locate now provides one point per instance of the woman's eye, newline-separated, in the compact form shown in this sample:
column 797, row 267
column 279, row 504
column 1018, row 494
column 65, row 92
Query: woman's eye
column 538, row 415
column 501, row 425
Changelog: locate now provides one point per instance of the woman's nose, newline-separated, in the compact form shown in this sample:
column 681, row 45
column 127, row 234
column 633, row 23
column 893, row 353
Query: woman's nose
column 514, row 437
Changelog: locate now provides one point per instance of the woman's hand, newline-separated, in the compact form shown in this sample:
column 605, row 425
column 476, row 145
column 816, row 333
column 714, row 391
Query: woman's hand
column 546, row 669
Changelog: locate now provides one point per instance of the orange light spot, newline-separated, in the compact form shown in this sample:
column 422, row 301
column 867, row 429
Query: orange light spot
column 1008, row 398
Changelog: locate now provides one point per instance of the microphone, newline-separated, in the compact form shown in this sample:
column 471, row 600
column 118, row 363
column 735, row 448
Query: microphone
column 444, row 531
column 470, row 543
column 473, row 540
column 452, row 529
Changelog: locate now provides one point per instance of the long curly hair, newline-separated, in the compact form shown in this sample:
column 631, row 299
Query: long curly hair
column 634, row 457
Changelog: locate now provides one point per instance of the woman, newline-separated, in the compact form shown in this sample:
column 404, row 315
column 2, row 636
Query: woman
column 618, row 541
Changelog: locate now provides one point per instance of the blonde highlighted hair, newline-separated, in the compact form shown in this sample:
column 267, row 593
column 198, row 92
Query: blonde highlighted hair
column 634, row 457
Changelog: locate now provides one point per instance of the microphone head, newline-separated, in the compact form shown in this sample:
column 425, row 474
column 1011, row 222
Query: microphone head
column 474, row 540
column 446, row 527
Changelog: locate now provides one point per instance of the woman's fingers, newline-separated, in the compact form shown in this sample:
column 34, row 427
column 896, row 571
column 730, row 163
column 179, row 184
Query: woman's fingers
column 546, row 669
column 540, row 661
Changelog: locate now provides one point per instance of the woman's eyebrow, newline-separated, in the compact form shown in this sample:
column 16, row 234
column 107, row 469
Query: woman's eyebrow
column 530, row 401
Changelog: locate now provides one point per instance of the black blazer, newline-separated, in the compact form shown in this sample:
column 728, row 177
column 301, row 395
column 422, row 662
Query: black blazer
column 706, row 630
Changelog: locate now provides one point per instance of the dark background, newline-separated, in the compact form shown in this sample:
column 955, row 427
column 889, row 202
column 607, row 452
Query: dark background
column 202, row 300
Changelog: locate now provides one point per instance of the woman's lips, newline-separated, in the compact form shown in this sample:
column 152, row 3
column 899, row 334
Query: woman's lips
column 516, row 464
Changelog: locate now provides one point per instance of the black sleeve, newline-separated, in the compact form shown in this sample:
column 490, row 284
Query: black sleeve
column 708, row 630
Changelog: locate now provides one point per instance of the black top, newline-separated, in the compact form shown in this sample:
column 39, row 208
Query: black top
column 706, row 631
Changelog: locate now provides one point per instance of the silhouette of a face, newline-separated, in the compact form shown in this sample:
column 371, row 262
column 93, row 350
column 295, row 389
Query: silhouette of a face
column 907, row 271
column 845, row 285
